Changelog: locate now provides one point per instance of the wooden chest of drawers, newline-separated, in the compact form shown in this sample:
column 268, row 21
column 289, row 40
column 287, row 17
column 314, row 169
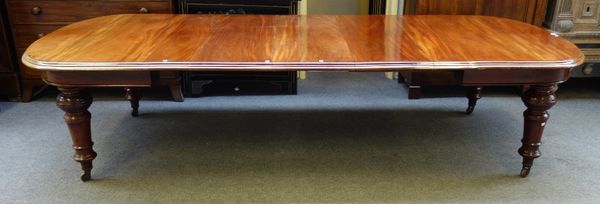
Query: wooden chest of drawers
column 530, row 11
column 239, row 6
column 9, row 79
column 32, row 19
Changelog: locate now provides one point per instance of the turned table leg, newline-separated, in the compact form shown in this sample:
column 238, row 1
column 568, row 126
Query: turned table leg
column 473, row 94
column 75, row 102
column 134, row 96
column 538, row 99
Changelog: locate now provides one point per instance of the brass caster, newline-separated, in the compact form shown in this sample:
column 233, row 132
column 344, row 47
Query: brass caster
column 470, row 110
column 86, row 176
column 525, row 171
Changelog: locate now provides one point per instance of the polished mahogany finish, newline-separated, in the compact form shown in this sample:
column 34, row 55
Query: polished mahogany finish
column 273, row 43
column 538, row 99
column 528, row 11
column 478, row 51
column 75, row 102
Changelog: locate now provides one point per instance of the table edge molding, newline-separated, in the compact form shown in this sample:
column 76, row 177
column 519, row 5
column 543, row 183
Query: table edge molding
column 295, row 66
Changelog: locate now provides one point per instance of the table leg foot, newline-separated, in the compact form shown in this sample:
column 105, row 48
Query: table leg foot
column 75, row 103
column 473, row 94
column 526, row 169
column 86, row 166
column 538, row 99
column 134, row 96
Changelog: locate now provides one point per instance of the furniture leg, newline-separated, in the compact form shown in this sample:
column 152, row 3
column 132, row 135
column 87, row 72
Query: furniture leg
column 538, row 99
column 27, row 93
column 473, row 94
column 401, row 78
column 176, row 91
column 171, row 79
column 133, row 95
column 75, row 102
column 414, row 92
column 28, row 86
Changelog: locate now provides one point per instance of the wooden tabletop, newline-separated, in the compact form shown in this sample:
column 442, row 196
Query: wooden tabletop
column 272, row 42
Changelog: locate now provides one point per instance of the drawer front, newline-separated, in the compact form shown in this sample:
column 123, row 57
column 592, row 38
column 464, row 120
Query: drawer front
column 240, row 87
column 242, row 75
column 226, row 9
column 243, row 2
column 99, row 79
column 28, row 33
column 239, row 83
column 34, row 12
column 238, row 7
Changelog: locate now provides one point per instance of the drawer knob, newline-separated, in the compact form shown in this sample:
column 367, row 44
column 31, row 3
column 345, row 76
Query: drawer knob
column 40, row 35
column 36, row 10
column 143, row 10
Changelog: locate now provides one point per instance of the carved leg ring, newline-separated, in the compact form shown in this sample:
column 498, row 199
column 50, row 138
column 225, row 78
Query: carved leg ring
column 473, row 94
column 538, row 99
column 75, row 102
column 134, row 96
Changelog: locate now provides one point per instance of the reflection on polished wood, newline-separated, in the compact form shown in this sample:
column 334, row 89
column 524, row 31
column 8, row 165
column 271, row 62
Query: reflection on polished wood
column 122, row 50
column 355, row 43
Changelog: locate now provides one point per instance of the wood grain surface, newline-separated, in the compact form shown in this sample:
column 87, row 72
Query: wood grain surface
column 134, row 42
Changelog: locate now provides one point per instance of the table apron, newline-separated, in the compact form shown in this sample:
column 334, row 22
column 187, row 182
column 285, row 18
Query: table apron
column 515, row 77
column 98, row 79
column 464, row 77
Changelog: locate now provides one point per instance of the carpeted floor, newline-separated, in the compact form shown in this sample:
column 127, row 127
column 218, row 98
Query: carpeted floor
column 345, row 138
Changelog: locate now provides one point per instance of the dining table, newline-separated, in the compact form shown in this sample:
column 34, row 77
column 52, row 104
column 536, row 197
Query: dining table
column 127, row 50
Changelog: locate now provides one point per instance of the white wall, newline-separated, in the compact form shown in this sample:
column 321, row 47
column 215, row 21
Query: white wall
column 337, row 6
column 400, row 7
column 346, row 7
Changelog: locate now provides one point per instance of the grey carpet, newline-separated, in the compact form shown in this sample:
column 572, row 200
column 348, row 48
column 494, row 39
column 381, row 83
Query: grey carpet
column 345, row 138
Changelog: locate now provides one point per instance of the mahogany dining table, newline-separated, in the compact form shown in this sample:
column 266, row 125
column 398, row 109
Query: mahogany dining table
column 125, row 50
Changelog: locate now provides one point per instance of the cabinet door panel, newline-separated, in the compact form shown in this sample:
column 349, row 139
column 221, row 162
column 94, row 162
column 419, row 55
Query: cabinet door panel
column 446, row 7
column 530, row 11
column 521, row 10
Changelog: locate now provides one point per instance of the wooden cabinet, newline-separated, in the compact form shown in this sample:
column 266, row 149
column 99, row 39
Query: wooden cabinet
column 578, row 21
column 65, row 12
column 239, row 6
column 529, row 11
column 377, row 7
column 239, row 83
column 32, row 19
column 9, row 80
